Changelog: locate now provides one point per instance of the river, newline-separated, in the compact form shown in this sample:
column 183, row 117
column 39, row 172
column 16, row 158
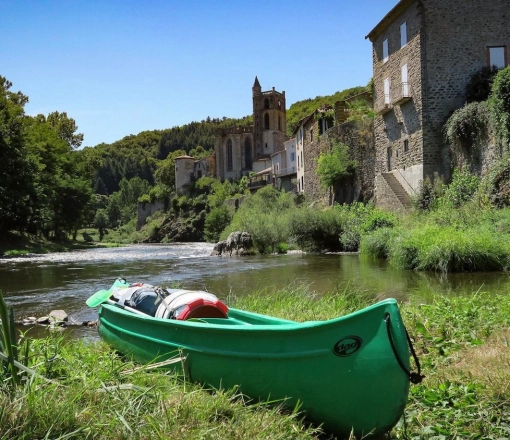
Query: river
column 36, row 285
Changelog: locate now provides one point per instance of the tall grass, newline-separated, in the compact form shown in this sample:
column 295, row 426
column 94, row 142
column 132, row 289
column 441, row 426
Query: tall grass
column 459, row 242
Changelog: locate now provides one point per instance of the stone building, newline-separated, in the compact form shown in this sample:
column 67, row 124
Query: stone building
column 188, row 168
column 316, row 134
column 241, row 150
column 424, row 54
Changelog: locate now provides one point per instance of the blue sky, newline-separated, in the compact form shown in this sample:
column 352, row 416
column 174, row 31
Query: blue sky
column 119, row 67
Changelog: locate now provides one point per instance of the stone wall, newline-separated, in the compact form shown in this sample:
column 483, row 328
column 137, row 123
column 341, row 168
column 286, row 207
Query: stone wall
column 362, row 149
column 385, row 197
column 398, row 126
column 145, row 210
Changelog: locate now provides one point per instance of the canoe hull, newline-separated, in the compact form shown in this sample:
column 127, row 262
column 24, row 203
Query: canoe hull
column 343, row 372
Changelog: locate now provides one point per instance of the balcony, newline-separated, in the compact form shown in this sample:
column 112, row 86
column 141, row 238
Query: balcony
column 285, row 171
column 383, row 106
column 402, row 94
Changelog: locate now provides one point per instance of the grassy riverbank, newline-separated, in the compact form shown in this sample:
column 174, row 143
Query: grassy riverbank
column 15, row 244
column 89, row 392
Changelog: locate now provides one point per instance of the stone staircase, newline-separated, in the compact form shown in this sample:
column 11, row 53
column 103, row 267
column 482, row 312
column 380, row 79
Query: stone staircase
column 399, row 191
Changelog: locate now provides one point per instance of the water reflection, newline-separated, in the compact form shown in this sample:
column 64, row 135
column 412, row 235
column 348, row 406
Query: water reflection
column 37, row 285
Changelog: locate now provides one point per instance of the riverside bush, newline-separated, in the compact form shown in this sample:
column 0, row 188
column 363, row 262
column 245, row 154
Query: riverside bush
column 316, row 230
column 216, row 221
column 265, row 216
column 452, row 247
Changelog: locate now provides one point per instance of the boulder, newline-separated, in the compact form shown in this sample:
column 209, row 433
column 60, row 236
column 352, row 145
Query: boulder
column 58, row 317
column 237, row 243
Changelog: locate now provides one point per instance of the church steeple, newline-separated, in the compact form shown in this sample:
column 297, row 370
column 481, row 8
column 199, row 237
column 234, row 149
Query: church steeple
column 256, row 86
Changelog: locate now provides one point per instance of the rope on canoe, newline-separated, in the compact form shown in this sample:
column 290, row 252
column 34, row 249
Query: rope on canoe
column 414, row 376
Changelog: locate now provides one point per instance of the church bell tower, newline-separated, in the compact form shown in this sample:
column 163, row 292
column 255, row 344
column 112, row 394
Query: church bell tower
column 269, row 120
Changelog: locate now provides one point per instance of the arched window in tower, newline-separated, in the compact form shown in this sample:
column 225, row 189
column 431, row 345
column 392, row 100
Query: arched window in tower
column 266, row 121
column 279, row 104
column 229, row 155
column 266, row 103
column 247, row 154
column 279, row 123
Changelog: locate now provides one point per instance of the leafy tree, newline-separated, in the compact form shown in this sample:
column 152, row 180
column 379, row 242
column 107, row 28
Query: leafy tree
column 333, row 166
column 165, row 171
column 17, row 167
column 216, row 221
column 60, row 201
column 101, row 222
column 66, row 128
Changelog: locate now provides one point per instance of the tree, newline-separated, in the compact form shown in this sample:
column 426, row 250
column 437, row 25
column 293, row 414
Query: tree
column 66, row 128
column 334, row 166
column 165, row 172
column 101, row 222
column 17, row 167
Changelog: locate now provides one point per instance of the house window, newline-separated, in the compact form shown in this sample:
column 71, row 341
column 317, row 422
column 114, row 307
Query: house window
column 405, row 82
column 403, row 34
column 292, row 157
column 385, row 52
column 406, row 145
column 497, row 56
column 229, row 155
column 387, row 91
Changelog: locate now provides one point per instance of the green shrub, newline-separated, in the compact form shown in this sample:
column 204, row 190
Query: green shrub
column 376, row 243
column 265, row 216
column 460, row 190
column 216, row 221
column 316, row 230
column 334, row 165
column 427, row 195
column 499, row 103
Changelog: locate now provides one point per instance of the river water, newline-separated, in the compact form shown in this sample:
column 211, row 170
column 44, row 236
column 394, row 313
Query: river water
column 36, row 285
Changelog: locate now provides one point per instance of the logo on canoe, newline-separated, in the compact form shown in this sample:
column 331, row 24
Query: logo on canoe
column 347, row 346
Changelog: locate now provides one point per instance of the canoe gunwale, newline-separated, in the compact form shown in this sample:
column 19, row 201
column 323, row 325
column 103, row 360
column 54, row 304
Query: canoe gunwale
column 285, row 325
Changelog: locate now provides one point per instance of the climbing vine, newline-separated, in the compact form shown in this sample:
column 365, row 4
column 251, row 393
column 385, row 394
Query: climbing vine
column 467, row 128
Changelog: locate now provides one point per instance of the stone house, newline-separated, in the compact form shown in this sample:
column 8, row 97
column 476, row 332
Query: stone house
column 316, row 134
column 240, row 151
column 424, row 54
column 188, row 168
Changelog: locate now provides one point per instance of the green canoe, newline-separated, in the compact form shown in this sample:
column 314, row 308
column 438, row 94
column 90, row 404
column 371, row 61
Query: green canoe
column 349, row 374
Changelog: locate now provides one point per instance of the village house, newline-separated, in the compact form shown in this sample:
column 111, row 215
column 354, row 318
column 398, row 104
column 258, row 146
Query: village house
column 317, row 133
column 424, row 54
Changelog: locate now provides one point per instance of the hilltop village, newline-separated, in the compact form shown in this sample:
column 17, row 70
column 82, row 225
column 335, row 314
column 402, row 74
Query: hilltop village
column 424, row 54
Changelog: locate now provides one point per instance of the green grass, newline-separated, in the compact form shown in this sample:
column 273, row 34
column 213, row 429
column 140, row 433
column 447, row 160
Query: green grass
column 460, row 240
column 91, row 393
